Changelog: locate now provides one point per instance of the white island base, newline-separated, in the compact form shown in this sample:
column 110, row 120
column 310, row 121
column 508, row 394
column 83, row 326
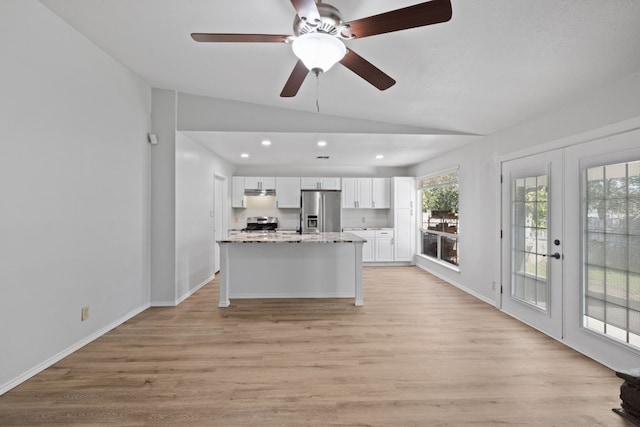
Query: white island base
column 290, row 268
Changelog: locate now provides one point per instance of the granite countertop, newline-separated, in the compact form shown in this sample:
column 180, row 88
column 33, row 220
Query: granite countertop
column 366, row 228
column 293, row 238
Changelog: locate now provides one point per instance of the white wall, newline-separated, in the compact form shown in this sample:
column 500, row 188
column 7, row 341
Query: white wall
column 163, row 198
column 74, row 181
column 195, row 168
column 608, row 107
column 477, row 183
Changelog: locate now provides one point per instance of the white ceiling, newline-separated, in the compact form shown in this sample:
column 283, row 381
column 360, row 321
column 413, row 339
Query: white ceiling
column 343, row 149
column 496, row 63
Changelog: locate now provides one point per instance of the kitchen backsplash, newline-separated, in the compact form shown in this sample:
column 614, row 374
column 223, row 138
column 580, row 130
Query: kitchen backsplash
column 290, row 218
column 372, row 218
column 265, row 206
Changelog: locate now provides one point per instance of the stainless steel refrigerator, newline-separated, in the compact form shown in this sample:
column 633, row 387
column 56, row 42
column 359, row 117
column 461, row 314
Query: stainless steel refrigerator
column 320, row 211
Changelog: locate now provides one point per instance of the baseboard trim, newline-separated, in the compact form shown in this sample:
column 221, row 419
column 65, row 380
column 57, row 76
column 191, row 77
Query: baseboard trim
column 458, row 285
column 183, row 296
column 66, row 352
column 194, row 290
column 386, row 264
column 163, row 304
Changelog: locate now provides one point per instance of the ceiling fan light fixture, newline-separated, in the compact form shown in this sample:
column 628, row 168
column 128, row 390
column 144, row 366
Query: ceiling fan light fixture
column 318, row 51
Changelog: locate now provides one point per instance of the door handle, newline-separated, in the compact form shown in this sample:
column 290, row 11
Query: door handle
column 556, row 255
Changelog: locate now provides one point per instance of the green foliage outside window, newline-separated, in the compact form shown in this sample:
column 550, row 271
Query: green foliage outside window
column 440, row 199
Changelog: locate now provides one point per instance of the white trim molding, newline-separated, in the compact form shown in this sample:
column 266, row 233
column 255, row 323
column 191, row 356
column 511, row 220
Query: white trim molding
column 66, row 352
column 456, row 284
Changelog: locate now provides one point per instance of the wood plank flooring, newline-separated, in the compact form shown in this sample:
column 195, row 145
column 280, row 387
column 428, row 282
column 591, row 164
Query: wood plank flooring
column 419, row 353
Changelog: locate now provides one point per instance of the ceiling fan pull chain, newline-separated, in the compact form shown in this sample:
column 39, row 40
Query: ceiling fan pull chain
column 317, row 92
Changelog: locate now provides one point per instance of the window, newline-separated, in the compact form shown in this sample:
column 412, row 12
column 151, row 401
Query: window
column 440, row 217
column 529, row 247
column 611, row 272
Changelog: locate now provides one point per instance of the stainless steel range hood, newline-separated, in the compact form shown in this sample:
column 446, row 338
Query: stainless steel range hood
column 259, row 192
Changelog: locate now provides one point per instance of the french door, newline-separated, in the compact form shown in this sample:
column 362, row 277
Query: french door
column 571, row 246
column 602, row 311
column 532, row 240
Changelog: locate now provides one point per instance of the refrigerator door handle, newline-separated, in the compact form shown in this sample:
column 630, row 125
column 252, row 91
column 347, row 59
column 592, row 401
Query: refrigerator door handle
column 322, row 217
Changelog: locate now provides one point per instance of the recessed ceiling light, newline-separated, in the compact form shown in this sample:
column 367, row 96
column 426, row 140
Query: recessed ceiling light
column 322, row 143
column 266, row 143
column 379, row 156
column 244, row 155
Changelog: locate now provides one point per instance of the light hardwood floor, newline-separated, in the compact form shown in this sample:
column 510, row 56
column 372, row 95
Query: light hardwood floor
column 419, row 353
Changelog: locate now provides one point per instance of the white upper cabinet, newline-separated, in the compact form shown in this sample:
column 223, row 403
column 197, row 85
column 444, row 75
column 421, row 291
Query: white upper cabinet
column 404, row 190
column 366, row 193
column 315, row 183
column 349, row 190
column 287, row 192
column 330, row 183
column 259, row 183
column 380, row 193
column 307, row 183
column 237, row 192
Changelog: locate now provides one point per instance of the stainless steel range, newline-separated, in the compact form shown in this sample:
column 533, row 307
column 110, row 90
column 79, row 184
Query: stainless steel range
column 257, row 224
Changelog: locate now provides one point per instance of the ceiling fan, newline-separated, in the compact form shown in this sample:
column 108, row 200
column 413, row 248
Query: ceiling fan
column 319, row 32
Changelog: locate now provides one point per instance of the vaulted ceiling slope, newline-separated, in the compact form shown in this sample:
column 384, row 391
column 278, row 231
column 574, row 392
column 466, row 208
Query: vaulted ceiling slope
column 494, row 64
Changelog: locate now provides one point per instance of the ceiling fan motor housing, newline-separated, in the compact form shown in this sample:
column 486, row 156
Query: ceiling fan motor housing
column 330, row 23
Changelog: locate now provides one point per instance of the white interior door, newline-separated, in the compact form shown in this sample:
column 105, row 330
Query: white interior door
column 532, row 255
column 218, row 217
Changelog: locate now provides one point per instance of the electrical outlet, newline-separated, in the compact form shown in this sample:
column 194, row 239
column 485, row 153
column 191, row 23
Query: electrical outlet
column 85, row 313
column 363, row 219
column 236, row 219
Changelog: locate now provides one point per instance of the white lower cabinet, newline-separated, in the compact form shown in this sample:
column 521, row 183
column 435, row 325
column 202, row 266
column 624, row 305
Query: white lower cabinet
column 368, row 254
column 403, row 249
column 384, row 245
column 379, row 245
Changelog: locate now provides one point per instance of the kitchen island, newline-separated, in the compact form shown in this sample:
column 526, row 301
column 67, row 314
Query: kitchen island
column 274, row 265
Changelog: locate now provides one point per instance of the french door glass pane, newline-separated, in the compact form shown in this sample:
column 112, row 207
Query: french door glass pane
column 529, row 245
column 612, row 251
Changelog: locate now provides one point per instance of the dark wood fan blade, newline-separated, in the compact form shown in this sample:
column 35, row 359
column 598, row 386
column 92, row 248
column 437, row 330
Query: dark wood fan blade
column 295, row 80
column 239, row 38
column 307, row 10
column 431, row 12
column 367, row 70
